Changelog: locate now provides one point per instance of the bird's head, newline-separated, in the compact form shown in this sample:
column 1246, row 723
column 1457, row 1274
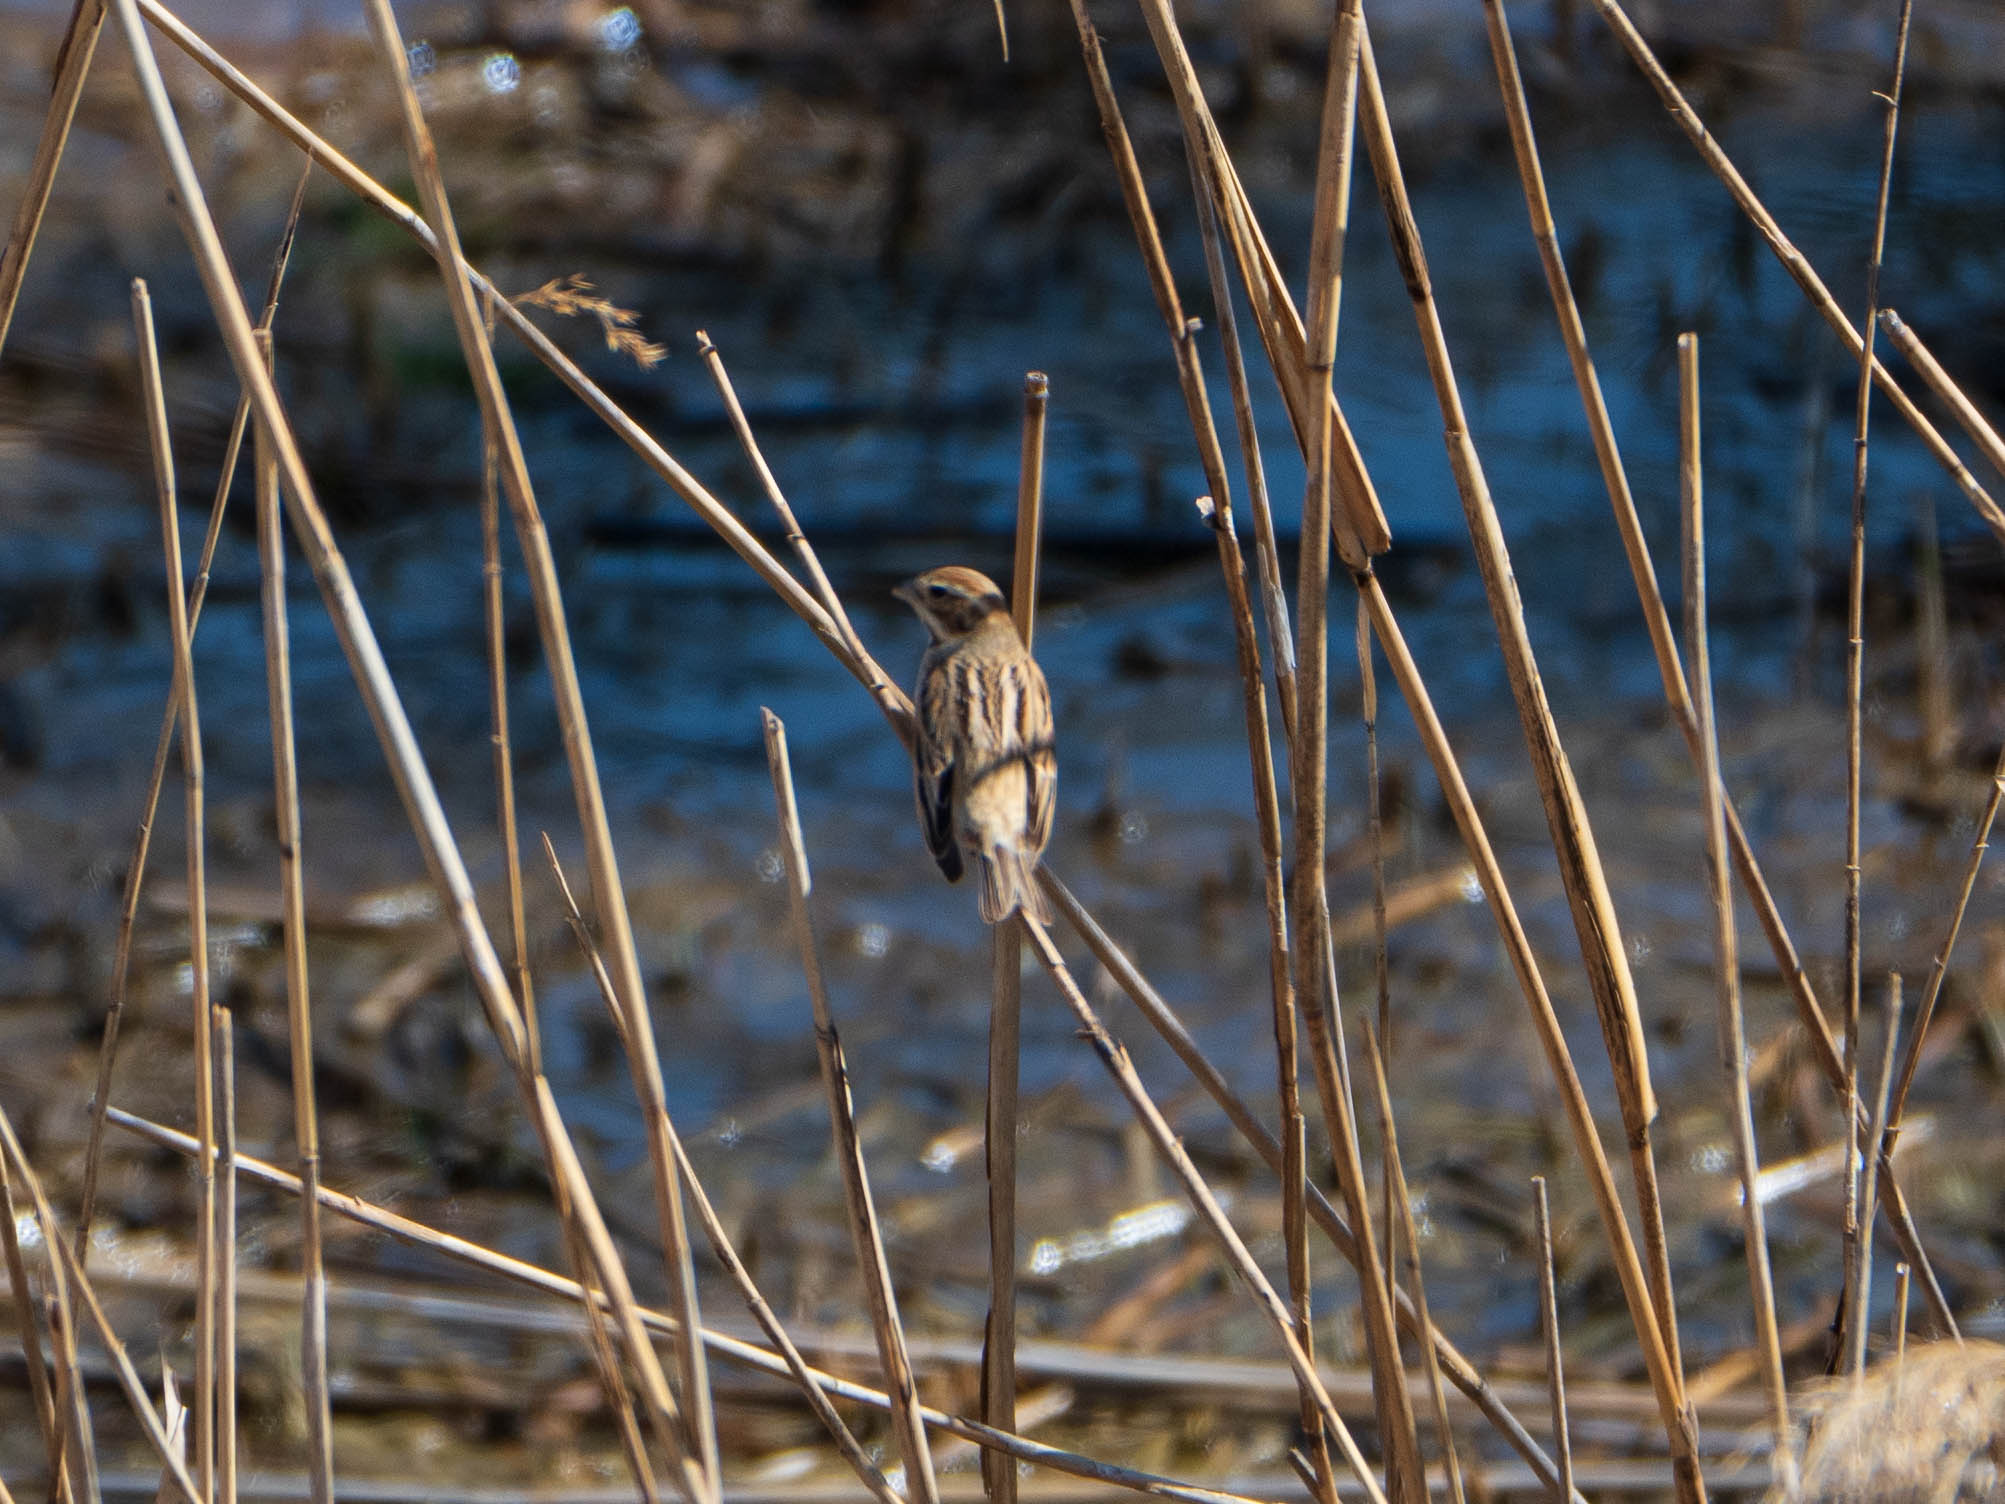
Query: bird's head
column 953, row 601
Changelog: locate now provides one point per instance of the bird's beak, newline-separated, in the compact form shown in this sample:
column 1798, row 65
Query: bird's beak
column 903, row 592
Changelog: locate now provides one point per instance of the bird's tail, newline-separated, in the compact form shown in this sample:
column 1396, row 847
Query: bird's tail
column 1009, row 883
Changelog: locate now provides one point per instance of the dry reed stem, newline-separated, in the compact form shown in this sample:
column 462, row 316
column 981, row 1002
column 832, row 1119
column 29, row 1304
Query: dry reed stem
column 1517, row 945
column 193, row 798
column 619, row 1393
column 406, row 765
column 1266, row 553
column 1595, row 922
column 1409, row 1252
column 865, row 1232
column 1800, row 271
column 602, row 863
column 1899, row 1318
column 80, row 1472
column 1732, row 1032
column 298, row 994
column 818, row 579
column 68, row 1284
column 762, row 1312
column 135, row 871
column 1170, row 1028
column 1549, row 1332
column 1855, row 663
column 1115, row 1057
column 1939, row 381
column 732, row 1349
column 73, row 60
column 1134, row 194
column 1331, row 214
column 1860, row 1290
column 1381, row 959
column 1934, row 691
column 1362, row 531
column 999, row 1126
column 1267, row 819
column 1314, row 976
column 23, row 1301
column 1939, row 966
column 1573, row 335
column 499, row 734
column 226, row 1237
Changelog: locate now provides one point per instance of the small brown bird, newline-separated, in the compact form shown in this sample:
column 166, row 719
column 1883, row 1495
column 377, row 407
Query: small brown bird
column 987, row 773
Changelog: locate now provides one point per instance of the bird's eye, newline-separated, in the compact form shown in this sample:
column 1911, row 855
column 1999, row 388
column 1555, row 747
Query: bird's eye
column 937, row 591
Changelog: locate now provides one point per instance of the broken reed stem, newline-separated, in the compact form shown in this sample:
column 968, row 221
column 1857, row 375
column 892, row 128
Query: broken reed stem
column 1732, row 1033
column 1163, row 1019
column 730, row 1348
column 73, row 60
column 1562, row 1438
column 1939, row 381
column 1115, row 1057
column 1800, row 271
column 206, row 1280
column 360, row 647
column 1855, row 659
column 865, row 1233
column 1861, row 1289
column 298, row 995
column 698, row 1422
column 1899, row 1317
column 1409, row 1250
column 788, row 1361
column 1595, row 923
column 142, row 843
column 1657, row 619
column 68, row 1283
column 1267, row 817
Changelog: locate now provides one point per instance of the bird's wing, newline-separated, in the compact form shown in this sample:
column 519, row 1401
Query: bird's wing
column 933, row 770
column 1040, row 753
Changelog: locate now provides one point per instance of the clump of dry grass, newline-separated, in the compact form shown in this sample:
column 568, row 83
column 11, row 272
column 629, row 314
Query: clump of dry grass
column 576, row 296
column 1928, row 1428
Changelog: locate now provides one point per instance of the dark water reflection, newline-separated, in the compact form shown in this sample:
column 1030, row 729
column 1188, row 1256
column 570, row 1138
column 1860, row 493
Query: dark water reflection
column 885, row 397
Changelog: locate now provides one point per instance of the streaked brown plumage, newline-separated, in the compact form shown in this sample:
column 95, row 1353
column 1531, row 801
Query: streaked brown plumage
column 986, row 771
